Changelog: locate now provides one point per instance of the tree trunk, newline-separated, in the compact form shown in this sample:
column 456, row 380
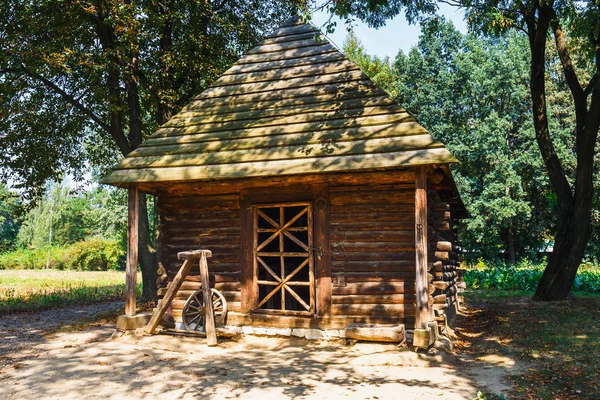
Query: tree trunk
column 574, row 220
column 147, row 254
column 569, row 247
column 510, row 245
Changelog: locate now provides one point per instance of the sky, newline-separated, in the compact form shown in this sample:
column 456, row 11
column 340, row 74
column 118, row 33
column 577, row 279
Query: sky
column 395, row 35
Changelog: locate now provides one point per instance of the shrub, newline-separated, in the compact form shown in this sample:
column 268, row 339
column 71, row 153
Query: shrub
column 92, row 254
column 525, row 276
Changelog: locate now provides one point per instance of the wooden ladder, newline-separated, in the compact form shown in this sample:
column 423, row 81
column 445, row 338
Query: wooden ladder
column 189, row 257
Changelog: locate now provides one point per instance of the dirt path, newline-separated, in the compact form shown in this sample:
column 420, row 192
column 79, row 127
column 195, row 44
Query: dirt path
column 97, row 363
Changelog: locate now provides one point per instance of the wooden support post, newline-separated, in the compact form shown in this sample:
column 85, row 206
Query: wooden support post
column 209, row 317
column 422, row 292
column 166, row 301
column 132, row 250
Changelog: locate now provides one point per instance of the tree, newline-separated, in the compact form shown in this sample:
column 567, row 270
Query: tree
column 10, row 218
column 87, row 81
column 471, row 93
column 575, row 27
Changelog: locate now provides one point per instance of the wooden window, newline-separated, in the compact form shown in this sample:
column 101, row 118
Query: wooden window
column 283, row 258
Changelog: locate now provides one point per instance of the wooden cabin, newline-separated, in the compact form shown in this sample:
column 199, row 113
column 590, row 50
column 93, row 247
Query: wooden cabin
column 324, row 203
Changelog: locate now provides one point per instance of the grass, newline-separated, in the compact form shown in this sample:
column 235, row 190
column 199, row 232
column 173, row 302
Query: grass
column 560, row 339
column 30, row 290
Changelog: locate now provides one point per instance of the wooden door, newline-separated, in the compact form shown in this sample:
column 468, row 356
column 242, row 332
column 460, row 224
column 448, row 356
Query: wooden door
column 283, row 259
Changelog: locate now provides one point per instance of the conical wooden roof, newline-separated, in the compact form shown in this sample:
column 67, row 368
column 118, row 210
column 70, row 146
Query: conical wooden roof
column 293, row 105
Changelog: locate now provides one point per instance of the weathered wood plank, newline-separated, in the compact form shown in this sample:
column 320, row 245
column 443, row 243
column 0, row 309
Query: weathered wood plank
column 373, row 309
column 343, row 65
column 379, row 333
column 169, row 296
column 374, row 288
column 421, row 248
column 374, row 299
column 132, row 250
column 205, row 116
column 283, row 167
column 200, row 124
column 403, row 123
column 285, row 152
column 287, row 54
column 247, row 88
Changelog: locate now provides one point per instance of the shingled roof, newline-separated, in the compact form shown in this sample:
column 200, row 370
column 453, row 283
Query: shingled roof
column 293, row 105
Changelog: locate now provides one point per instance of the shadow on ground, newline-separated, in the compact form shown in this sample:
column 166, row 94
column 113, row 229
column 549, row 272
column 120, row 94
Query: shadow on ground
column 97, row 363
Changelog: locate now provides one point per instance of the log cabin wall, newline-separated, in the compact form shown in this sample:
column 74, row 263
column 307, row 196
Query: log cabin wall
column 373, row 252
column 443, row 257
column 192, row 222
column 370, row 230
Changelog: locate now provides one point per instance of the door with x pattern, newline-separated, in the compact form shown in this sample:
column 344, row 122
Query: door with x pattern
column 283, row 258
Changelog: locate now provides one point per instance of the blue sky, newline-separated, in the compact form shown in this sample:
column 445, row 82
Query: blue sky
column 387, row 40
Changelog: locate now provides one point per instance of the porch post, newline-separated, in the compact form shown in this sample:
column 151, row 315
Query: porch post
column 132, row 250
column 422, row 291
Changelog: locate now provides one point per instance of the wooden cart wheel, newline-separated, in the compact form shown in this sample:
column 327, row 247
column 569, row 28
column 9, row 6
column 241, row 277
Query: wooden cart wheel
column 193, row 310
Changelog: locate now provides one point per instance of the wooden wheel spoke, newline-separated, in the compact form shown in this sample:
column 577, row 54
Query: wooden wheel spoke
column 296, row 296
column 269, row 270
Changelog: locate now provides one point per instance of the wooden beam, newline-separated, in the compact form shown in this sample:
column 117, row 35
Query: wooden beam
column 132, row 250
column 169, row 296
column 422, row 292
column 209, row 317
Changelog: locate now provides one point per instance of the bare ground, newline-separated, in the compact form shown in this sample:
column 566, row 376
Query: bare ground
column 91, row 360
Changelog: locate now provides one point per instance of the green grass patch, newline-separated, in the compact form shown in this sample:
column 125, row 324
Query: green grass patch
column 525, row 276
column 31, row 290
column 561, row 339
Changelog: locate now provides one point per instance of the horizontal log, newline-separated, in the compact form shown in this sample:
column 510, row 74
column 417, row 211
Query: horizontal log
column 441, row 285
column 441, row 246
column 372, row 217
column 345, row 190
column 374, row 266
column 440, row 225
column 441, row 255
column 379, row 276
column 374, row 299
column 440, row 206
column 441, row 216
column 451, row 291
column 446, row 276
column 374, row 288
column 372, row 256
column 373, row 236
column 373, row 309
column 395, row 334
column 404, row 196
column 367, row 226
column 369, row 247
column 430, row 289
column 332, row 322
column 439, row 299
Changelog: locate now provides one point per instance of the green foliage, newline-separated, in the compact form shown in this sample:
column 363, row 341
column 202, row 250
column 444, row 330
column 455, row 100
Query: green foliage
column 472, row 94
column 92, row 254
column 10, row 218
column 63, row 218
column 83, row 83
column 525, row 276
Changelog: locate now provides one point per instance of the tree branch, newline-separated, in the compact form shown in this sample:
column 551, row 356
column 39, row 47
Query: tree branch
column 565, row 60
column 68, row 98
